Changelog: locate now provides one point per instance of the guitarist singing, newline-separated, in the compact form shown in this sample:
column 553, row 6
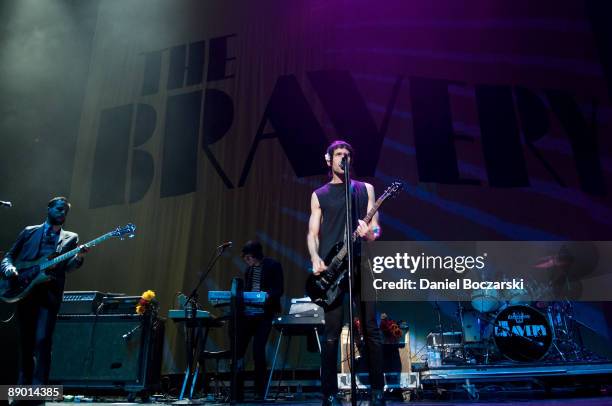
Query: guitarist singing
column 37, row 312
column 326, row 227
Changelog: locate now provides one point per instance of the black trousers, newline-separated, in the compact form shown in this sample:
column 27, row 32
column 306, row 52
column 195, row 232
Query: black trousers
column 334, row 317
column 258, row 329
column 36, row 317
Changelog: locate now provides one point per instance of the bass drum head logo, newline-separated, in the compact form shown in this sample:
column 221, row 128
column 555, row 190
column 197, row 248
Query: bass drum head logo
column 522, row 333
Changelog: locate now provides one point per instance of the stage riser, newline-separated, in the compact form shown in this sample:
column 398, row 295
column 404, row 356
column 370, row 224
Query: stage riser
column 516, row 372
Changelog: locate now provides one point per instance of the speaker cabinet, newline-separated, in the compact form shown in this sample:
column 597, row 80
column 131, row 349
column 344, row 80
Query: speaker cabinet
column 107, row 352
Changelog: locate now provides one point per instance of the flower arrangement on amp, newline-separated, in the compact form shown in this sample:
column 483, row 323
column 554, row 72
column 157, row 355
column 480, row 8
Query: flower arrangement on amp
column 147, row 303
column 390, row 329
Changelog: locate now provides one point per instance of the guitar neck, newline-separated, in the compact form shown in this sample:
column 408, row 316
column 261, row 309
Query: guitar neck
column 344, row 250
column 73, row 252
column 369, row 215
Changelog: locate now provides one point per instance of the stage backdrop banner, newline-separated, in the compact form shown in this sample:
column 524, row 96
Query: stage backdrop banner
column 206, row 122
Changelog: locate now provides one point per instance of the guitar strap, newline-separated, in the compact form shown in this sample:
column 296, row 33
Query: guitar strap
column 40, row 235
column 358, row 201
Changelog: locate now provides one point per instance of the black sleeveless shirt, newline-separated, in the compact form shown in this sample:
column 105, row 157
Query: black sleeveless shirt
column 331, row 200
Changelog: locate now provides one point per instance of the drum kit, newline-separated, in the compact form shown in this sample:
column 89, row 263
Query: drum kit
column 513, row 325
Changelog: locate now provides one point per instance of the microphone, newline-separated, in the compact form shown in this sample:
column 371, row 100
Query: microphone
column 127, row 336
column 225, row 245
column 343, row 162
column 99, row 309
column 5, row 204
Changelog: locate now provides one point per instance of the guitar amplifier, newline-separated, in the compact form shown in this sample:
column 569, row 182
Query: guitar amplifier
column 86, row 302
column 119, row 304
column 81, row 302
column 107, row 352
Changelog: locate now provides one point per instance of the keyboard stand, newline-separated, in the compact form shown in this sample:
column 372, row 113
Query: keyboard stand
column 289, row 331
column 196, row 335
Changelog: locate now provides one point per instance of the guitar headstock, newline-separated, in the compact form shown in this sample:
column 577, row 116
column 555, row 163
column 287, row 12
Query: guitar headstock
column 393, row 190
column 127, row 231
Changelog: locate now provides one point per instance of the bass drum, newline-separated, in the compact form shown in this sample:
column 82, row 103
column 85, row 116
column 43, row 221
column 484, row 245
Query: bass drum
column 522, row 333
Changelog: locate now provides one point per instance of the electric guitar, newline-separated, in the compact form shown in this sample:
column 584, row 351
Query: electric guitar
column 325, row 288
column 32, row 273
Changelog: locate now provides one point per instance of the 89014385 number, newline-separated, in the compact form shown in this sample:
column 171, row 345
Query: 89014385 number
column 31, row 392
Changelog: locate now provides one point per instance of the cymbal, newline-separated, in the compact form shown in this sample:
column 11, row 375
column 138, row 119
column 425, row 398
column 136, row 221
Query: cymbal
column 574, row 260
column 551, row 262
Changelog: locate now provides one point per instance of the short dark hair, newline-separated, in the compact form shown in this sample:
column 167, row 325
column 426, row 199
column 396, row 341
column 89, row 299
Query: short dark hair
column 58, row 198
column 254, row 248
column 337, row 145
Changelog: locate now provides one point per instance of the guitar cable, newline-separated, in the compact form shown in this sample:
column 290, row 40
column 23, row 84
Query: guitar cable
column 9, row 318
column 89, row 357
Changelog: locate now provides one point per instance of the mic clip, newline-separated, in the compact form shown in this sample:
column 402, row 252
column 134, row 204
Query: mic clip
column 225, row 245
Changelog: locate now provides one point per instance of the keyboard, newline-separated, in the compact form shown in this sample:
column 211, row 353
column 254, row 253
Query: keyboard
column 253, row 301
column 223, row 297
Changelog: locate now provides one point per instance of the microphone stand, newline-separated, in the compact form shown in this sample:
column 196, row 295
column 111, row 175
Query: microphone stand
column 194, row 294
column 349, row 242
column 193, row 337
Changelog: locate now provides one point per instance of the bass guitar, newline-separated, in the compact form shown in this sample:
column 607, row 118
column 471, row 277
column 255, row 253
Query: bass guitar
column 32, row 273
column 325, row 288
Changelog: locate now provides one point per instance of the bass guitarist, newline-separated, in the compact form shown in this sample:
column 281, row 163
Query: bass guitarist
column 326, row 227
column 37, row 312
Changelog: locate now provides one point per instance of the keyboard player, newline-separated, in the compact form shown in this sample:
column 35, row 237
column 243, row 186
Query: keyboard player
column 262, row 275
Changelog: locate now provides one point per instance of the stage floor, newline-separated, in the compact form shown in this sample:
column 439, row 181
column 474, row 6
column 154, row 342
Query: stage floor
column 548, row 402
column 552, row 383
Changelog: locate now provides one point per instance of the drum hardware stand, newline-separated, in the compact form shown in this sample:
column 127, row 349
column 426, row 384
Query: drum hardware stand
column 558, row 313
column 556, row 347
column 582, row 352
column 556, row 337
column 440, row 330
column 564, row 333
column 471, row 390
column 487, row 341
column 460, row 312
